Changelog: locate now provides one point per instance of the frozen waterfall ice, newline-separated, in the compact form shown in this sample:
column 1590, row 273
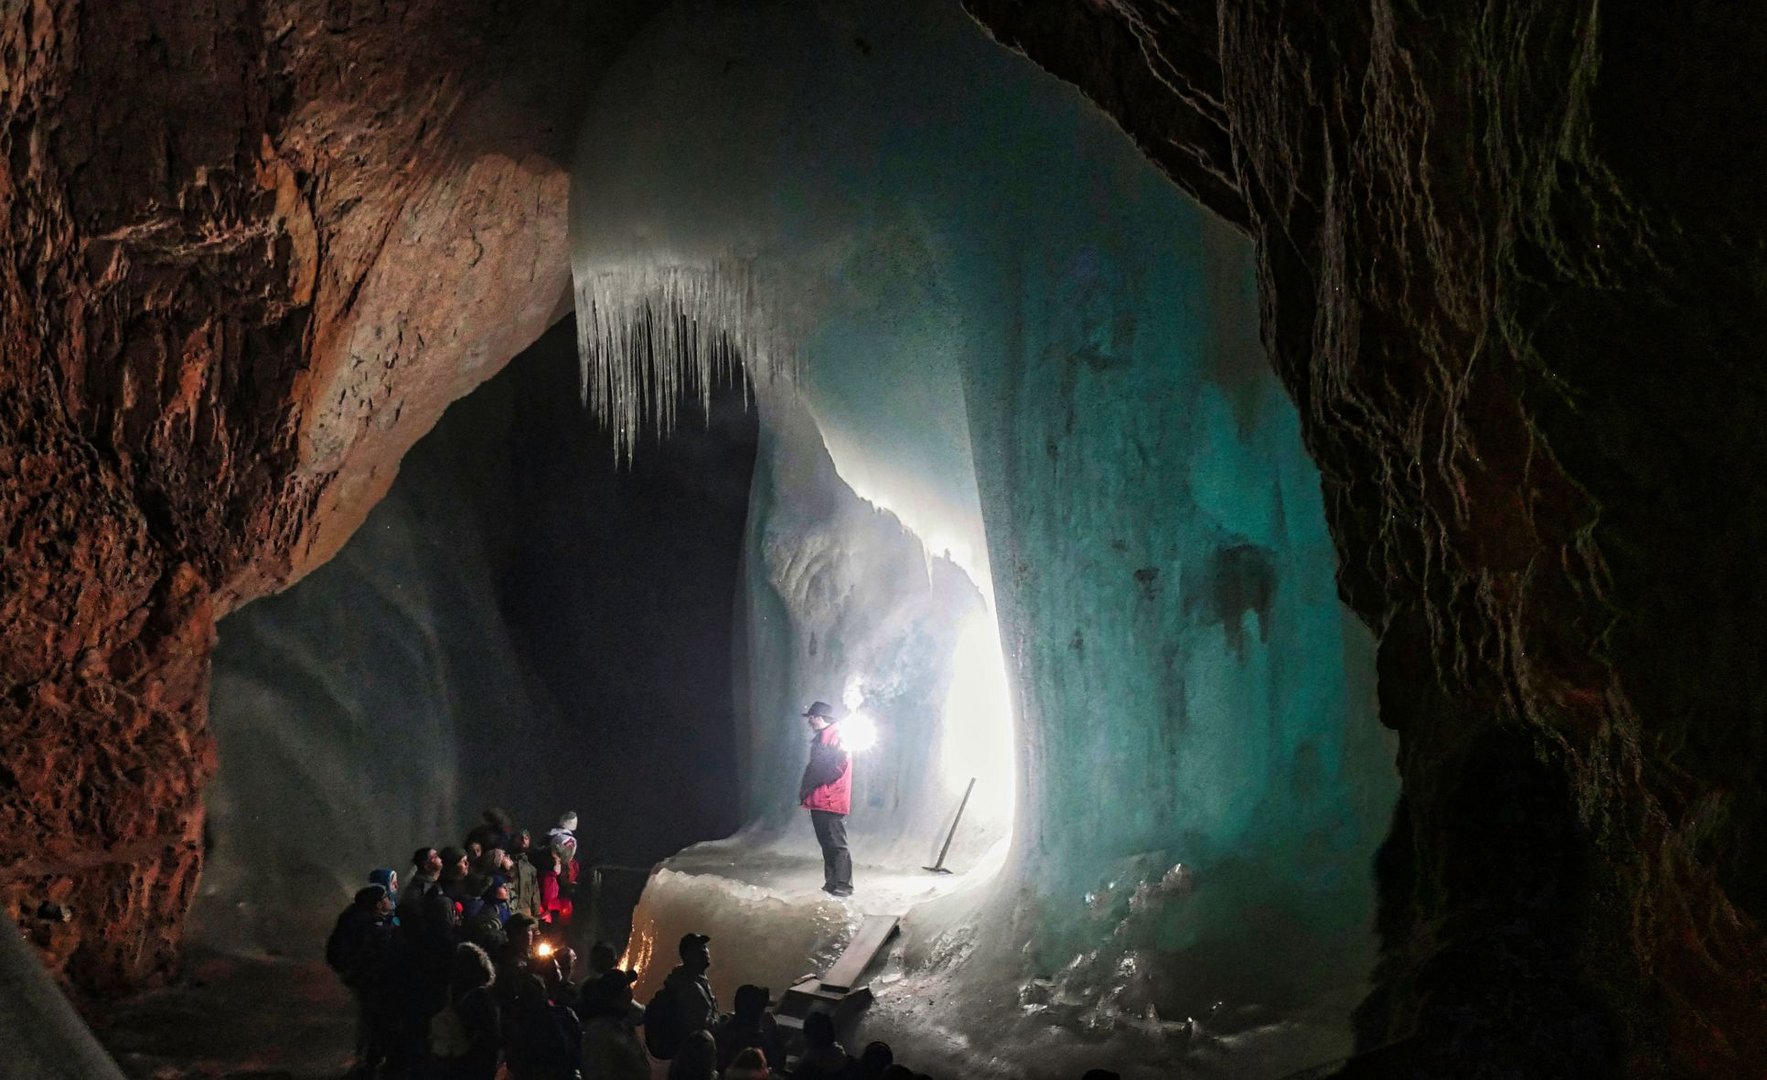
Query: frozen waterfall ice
column 1018, row 440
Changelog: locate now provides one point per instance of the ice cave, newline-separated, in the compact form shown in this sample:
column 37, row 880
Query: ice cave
column 1263, row 496
column 986, row 336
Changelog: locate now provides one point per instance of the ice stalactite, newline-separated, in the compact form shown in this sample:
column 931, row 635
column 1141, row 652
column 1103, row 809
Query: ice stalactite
column 650, row 336
column 664, row 302
column 867, row 558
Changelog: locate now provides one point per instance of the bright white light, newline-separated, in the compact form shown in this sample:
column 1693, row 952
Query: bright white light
column 978, row 722
column 858, row 732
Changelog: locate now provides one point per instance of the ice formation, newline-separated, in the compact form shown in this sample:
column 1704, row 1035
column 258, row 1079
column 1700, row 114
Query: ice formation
column 1025, row 394
column 44, row 1034
column 345, row 708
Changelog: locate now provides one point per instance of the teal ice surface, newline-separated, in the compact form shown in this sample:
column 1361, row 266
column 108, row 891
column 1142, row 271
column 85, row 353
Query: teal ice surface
column 1002, row 311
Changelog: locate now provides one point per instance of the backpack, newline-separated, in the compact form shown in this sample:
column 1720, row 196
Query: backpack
column 662, row 1024
column 447, row 1034
column 543, row 1037
column 342, row 947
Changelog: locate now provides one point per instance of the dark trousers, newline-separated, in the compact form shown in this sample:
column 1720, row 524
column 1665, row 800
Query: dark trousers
column 837, row 864
column 377, row 1035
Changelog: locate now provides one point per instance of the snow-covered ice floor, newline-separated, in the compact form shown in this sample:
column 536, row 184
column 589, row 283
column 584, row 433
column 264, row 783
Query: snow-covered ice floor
column 947, row 1006
column 763, row 906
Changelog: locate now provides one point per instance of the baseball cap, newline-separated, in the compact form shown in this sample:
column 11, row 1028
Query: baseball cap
column 692, row 943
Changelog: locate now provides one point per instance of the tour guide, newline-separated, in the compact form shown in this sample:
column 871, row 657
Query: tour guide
column 827, row 792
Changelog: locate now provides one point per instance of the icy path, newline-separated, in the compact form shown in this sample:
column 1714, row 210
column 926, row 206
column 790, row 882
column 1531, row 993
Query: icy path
column 763, row 906
column 947, row 1007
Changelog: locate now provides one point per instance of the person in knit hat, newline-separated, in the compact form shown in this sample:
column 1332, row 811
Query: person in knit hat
column 387, row 878
column 360, row 950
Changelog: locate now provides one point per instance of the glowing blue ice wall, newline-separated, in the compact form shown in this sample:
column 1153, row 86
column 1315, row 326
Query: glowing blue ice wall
column 869, row 198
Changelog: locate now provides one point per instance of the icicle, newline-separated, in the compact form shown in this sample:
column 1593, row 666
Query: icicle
column 648, row 333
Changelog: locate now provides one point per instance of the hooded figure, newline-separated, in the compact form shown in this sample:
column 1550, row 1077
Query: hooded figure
column 471, row 977
column 750, row 1026
column 824, row 1058
column 387, row 878
column 698, row 1059
column 566, row 830
column 360, row 950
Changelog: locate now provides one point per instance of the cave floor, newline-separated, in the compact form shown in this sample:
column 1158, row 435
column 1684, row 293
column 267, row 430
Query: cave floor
column 231, row 1018
column 795, row 876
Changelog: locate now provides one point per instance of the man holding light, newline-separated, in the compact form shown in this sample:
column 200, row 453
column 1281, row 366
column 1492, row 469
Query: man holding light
column 827, row 792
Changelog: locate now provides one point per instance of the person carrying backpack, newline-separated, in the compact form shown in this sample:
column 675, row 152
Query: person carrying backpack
column 685, row 1002
column 544, row 1036
column 611, row 1050
column 360, row 950
column 465, row 1039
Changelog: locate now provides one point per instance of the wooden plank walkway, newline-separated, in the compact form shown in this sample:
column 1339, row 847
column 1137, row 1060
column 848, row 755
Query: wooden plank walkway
column 874, row 933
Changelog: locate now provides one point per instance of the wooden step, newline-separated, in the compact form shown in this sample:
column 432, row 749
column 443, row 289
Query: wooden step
column 874, row 933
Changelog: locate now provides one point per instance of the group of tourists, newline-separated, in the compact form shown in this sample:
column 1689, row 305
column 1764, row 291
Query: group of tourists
column 466, row 968
column 421, row 957
column 684, row 1026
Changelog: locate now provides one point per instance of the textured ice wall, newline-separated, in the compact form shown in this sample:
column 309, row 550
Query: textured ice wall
column 45, row 1038
column 1202, row 781
column 842, row 594
column 868, row 565
column 344, row 709
column 1206, row 781
column 520, row 620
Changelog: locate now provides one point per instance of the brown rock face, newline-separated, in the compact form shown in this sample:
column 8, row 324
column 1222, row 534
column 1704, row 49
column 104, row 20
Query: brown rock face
column 1511, row 264
column 248, row 253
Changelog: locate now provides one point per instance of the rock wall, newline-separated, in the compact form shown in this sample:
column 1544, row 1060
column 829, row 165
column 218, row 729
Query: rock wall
column 1510, row 260
column 248, row 252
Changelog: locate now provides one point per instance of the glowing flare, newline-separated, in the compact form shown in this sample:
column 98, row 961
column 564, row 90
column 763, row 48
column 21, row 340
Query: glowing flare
column 858, row 732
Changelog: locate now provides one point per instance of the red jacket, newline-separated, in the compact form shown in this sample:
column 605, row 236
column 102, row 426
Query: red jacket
column 828, row 778
column 555, row 906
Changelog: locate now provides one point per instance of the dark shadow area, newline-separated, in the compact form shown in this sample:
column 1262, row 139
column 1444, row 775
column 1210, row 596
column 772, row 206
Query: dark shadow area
column 620, row 589
column 524, row 623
